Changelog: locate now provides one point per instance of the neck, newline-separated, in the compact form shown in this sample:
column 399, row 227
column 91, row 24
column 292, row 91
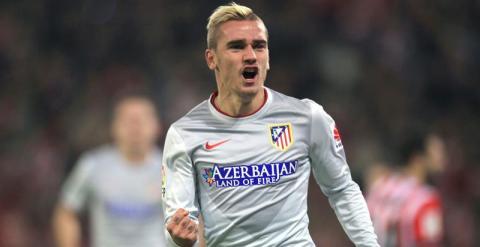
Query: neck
column 237, row 106
column 416, row 170
column 134, row 157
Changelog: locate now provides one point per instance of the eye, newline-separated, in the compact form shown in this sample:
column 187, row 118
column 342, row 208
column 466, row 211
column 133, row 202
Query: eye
column 259, row 46
column 236, row 46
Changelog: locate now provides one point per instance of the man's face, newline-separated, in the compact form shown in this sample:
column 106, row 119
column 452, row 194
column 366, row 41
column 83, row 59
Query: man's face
column 240, row 59
column 135, row 126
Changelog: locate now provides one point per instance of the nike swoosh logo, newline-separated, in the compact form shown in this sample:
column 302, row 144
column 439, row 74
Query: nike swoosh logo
column 209, row 146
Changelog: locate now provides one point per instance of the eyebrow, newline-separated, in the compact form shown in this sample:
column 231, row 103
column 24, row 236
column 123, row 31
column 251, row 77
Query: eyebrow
column 259, row 42
column 236, row 42
column 243, row 42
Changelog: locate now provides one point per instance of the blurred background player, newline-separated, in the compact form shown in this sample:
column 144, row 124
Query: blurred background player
column 119, row 184
column 405, row 209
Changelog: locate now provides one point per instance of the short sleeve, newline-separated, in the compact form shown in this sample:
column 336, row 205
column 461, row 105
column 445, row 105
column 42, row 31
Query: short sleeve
column 77, row 187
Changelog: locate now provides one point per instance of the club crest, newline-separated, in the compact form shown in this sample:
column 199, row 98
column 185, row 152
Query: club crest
column 281, row 135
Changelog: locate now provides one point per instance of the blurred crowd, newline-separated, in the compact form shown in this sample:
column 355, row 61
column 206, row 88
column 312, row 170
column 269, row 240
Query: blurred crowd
column 375, row 65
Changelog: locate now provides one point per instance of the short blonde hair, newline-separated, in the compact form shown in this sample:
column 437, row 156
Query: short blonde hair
column 224, row 13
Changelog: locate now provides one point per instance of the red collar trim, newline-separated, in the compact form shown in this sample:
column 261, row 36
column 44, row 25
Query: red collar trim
column 215, row 94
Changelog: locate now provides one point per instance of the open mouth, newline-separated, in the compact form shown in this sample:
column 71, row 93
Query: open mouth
column 250, row 73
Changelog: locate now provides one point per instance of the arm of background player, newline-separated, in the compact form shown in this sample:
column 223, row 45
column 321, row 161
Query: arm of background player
column 66, row 227
column 66, row 224
column 332, row 173
column 179, row 179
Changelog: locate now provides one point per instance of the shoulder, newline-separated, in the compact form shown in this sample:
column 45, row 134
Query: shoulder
column 198, row 112
column 315, row 108
column 95, row 156
column 304, row 104
column 306, row 107
column 283, row 100
column 195, row 116
column 428, row 195
column 422, row 197
column 99, row 152
column 425, row 213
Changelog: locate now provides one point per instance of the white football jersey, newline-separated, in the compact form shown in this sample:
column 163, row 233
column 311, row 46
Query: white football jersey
column 124, row 201
column 248, row 176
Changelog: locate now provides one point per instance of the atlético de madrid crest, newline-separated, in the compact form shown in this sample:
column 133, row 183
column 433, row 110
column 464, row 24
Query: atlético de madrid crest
column 281, row 135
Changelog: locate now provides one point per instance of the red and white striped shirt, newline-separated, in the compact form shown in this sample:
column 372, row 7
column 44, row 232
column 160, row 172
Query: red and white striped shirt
column 405, row 213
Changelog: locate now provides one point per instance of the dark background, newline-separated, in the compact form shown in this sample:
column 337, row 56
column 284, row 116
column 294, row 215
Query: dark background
column 375, row 65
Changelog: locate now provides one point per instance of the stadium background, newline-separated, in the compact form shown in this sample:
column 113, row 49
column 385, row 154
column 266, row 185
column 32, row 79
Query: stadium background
column 375, row 65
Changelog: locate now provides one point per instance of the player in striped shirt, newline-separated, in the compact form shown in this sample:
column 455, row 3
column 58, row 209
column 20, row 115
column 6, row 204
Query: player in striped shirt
column 406, row 211
column 242, row 159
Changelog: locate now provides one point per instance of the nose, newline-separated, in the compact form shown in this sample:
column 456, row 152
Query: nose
column 249, row 56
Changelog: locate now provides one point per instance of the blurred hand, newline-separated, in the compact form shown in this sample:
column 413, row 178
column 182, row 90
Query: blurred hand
column 182, row 229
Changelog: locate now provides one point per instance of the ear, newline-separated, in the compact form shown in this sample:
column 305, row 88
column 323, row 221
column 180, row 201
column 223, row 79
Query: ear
column 210, row 59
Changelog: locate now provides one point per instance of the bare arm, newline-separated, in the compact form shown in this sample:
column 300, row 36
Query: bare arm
column 66, row 227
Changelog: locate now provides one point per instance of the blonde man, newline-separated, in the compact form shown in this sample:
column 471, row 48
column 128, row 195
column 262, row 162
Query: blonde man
column 242, row 158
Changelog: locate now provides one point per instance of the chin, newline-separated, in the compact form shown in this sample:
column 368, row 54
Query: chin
column 250, row 92
column 252, row 87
